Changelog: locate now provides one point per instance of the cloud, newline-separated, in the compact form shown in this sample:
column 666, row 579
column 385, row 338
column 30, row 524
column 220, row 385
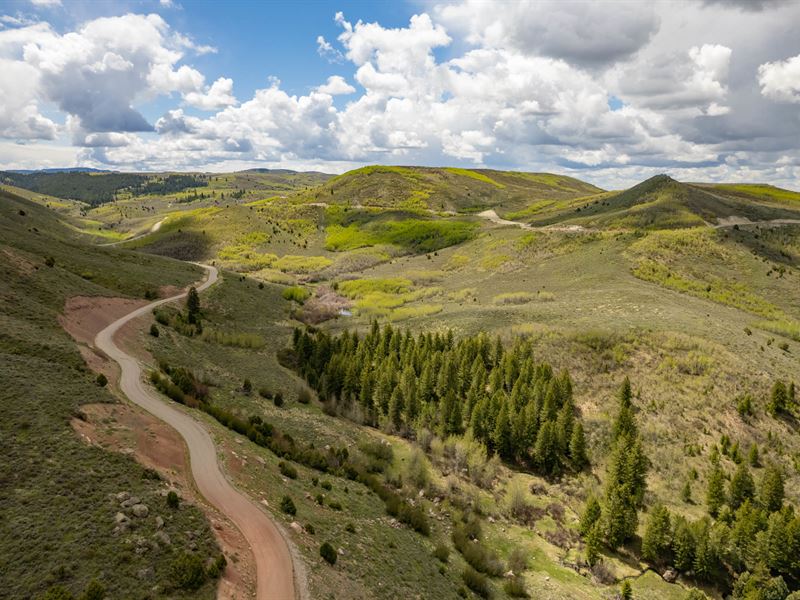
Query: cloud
column 46, row 2
column 219, row 95
column 335, row 86
column 583, row 33
column 780, row 80
column 326, row 50
column 747, row 5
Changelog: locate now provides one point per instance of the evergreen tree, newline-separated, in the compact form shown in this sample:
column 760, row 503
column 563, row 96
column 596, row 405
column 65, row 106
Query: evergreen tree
column 778, row 399
column 683, row 545
column 686, row 492
column 396, row 407
column 625, row 423
column 546, row 451
column 625, row 591
column 656, row 540
column 742, row 487
column 591, row 515
column 577, row 447
column 593, row 541
column 502, row 434
column 715, row 495
column 192, row 305
column 752, row 456
column 771, row 491
column 703, row 563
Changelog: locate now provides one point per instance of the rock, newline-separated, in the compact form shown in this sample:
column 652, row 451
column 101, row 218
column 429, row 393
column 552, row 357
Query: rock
column 147, row 573
column 670, row 575
column 508, row 574
column 341, row 551
column 140, row 510
column 296, row 526
column 192, row 546
column 130, row 501
column 162, row 537
column 121, row 518
column 159, row 522
column 122, row 496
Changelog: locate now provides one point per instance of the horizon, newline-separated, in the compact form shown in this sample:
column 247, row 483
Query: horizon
column 609, row 93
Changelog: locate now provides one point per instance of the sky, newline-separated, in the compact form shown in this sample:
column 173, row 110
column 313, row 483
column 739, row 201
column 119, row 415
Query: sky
column 609, row 92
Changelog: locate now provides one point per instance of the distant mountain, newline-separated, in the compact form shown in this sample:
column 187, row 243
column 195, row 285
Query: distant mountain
column 59, row 170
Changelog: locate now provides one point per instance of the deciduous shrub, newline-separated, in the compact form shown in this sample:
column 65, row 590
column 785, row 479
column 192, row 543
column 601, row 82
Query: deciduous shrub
column 173, row 501
column 441, row 552
column 101, row 380
column 188, row 572
column 327, row 552
column 287, row 506
column 477, row 582
column 287, row 470
column 277, row 399
column 154, row 330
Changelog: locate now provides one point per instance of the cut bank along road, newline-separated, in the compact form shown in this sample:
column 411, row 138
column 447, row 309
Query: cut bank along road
column 274, row 566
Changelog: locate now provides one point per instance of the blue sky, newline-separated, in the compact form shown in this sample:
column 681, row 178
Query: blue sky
column 612, row 92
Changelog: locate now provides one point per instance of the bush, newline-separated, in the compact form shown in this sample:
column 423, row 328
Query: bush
column 265, row 393
column 327, row 552
column 287, row 470
column 326, row 485
column 350, row 528
column 188, row 572
column 154, row 330
column 277, row 399
column 335, row 505
column 515, row 587
column 101, row 380
column 217, row 568
column 309, row 528
column 304, row 395
column 477, row 582
column 287, row 506
column 441, row 552
column 57, row 592
column 173, row 501
column 247, row 387
column 50, row 261
column 296, row 293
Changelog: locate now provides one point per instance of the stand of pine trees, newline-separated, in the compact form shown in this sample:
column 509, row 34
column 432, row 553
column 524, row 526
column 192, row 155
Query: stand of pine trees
column 515, row 406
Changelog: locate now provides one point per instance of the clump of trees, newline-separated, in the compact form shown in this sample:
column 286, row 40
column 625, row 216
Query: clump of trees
column 514, row 406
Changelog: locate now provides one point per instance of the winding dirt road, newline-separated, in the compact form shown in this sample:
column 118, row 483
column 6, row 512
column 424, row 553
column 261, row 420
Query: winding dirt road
column 274, row 566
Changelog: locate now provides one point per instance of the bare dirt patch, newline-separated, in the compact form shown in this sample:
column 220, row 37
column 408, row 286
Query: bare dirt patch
column 154, row 444
column 85, row 316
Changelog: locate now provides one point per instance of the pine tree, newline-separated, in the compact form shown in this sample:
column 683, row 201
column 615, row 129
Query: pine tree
column 591, row 515
column 625, row 591
column 625, row 424
column 715, row 495
column 620, row 517
column 683, row 545
column 742, row 487
column 703, row 555
column 396, row 408
column 656, row 540
column 192, row 305
column 502, row 434
column 577, row 447
column 778, row 398
column 686, row 492
column 546, row 451
column 593, row 541
column 771, row 490
column 752, row 456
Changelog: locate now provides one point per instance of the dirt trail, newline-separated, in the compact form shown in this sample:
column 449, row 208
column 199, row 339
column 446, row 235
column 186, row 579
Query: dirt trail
column 153, row 229
column 492, row 216
column 275, row 571
column 733, row 221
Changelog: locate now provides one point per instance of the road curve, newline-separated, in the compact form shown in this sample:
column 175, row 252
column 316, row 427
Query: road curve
column 274, row 566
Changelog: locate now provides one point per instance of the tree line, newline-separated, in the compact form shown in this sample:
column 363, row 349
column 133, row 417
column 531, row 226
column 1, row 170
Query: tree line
column 515, row 406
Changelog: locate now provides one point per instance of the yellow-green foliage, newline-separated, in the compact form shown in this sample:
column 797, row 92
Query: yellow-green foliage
column 784, row 327
column 530, row 210
column 492, row 261
column 679, row 243
column 292, row 263
column 410, row 312
column 474, row 175
column 416, row 235
column 297, row 293
column 714, row 288
column 514, row 298
column 244, row 257
column 457, row 261
column 422, row 276
column 273, row 276
column 761, row 191
column 693, row 363
column 463, row 294
column 238, row 340
column 356, row 288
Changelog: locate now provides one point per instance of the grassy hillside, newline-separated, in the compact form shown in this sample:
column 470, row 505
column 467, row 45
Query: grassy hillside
column 447, row 189
column 58, row 494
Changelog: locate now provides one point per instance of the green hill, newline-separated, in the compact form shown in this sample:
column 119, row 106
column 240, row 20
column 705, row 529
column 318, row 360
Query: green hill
column 447, row 189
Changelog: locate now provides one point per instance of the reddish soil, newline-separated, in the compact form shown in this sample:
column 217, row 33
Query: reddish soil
column 86, row 316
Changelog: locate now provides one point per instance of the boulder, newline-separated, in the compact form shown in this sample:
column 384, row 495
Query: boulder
column 296, row 526
column 122, row 496
column 121, row 518
column 159, row 522
column 130, row 501
column 140, row 510
column 670, row 575
column 163, row 538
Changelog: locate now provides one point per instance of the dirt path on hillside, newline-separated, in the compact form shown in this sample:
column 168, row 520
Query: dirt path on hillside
column 733, row 221
column 491, row 215
column 153, row 229
column 275, row 571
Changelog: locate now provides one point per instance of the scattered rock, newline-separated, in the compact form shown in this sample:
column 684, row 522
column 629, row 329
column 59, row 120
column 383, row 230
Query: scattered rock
column 147, row 573
column 162, row 537
column 341, row 551
column 509, row 574
column 121, row 518
column 140, row 510
column 130, row 501
column 159, row 522
column 670, row 575
column 296, row 526
column 122, row 496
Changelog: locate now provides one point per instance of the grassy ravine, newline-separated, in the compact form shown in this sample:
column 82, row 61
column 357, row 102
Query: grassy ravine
column 56, row 493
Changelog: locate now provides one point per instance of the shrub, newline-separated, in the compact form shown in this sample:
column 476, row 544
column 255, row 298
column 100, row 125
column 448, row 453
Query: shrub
column 154, row 330
column 217, row 567
column 515, row 587
column 101, row 380
column 518, row 561
column 277, row 399
column 94, row 591
column 304, row 395
column 309, row 528
column 173, row 501
column 57, row 592
column 327, row 552
column 188, row 572
column 441, row 552
column 296, row 293
column 50, row 261
column 287, row 470
column 335, row 505
column 265, row 393
column 476, row 582
column 350, row 528
column 247, row 387
column 287, row 506
column 326, row 485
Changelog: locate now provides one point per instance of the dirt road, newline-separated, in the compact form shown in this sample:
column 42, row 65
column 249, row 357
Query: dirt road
column 274, row 566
